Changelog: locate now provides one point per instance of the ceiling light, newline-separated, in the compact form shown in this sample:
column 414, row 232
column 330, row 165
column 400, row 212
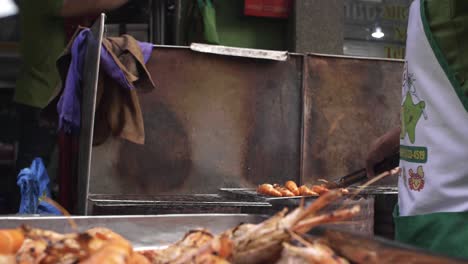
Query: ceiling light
column 378, row 33
column 8, row 8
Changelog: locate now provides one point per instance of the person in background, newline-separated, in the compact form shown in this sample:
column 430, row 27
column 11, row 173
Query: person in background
column 42, row 40
column 432, row 209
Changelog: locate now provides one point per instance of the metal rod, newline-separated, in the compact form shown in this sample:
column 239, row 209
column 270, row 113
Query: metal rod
column 90, row 81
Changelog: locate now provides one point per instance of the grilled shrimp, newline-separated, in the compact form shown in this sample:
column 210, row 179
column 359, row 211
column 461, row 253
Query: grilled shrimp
column 284, row 191
column 268, row 189
column 292, row 186
column 263, row 242
column 319, row 189
column 306, row 191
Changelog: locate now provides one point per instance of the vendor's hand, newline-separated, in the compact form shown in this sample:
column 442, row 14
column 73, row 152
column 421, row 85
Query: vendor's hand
column 382, row 148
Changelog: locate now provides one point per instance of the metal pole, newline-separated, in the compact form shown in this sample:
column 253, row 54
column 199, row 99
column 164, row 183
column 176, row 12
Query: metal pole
column 159, row 21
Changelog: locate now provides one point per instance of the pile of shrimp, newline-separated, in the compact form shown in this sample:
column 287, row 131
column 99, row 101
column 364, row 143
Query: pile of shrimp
column 267, row 242
column 290, row 189
column 264, row 242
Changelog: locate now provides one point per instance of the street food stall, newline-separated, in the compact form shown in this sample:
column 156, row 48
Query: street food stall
column 222, row 121
column 225, row 120
column 236, row 118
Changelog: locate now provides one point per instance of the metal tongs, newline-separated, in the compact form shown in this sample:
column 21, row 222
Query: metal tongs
column 360, row 175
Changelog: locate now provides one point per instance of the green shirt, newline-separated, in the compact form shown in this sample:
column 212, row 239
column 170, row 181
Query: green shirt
column 42, row 42
column 443, row 233
column 448, row 20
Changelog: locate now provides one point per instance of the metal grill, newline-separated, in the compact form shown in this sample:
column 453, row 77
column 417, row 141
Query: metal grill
column 170, row 204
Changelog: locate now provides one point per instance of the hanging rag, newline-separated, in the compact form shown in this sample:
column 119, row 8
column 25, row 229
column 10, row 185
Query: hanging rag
column 123, row 74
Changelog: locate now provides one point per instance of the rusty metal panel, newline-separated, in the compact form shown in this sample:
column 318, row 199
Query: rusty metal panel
column 212, row 121
column 348, row 103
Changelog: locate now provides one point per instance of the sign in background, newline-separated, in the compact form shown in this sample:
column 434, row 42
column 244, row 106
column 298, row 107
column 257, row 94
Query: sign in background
column 363, row 16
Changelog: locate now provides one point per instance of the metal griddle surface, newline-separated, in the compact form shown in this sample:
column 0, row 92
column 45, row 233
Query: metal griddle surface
column 250, row 194
column 246, row 194
column 193, row 199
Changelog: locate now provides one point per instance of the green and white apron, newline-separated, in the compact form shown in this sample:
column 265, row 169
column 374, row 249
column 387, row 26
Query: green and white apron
column 433, row 186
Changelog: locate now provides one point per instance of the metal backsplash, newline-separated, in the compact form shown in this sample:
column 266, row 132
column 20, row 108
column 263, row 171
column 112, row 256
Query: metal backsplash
column 213, row 121
column 218, row 121
column 348, row 103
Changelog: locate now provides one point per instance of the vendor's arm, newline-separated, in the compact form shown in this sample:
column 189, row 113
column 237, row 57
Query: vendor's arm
column 85, row 7
column 382, row 148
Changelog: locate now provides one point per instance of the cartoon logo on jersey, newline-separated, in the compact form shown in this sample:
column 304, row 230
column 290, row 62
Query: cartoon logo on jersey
column 412, row 107
column 416, row 180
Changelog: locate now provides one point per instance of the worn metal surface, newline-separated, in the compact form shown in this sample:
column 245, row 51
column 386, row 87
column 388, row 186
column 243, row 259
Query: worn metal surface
column 142, row 231
column 348, row 103
column 212, row 121
column 90, row 82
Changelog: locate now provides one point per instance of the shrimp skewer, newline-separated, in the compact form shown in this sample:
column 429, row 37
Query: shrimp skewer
column 305, row 225
column 263, row 242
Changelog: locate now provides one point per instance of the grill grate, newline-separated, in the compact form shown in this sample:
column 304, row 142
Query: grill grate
column 172, row 204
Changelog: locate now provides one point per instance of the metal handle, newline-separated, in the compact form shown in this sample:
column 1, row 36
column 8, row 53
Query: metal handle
column 352, row 178
column 360, row 175
column 388, row 163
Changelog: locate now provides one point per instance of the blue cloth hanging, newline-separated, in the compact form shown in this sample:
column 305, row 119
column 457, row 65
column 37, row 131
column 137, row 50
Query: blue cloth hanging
column 34, row 184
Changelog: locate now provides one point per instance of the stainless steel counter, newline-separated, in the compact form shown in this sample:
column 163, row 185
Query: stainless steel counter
column 142, row 231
